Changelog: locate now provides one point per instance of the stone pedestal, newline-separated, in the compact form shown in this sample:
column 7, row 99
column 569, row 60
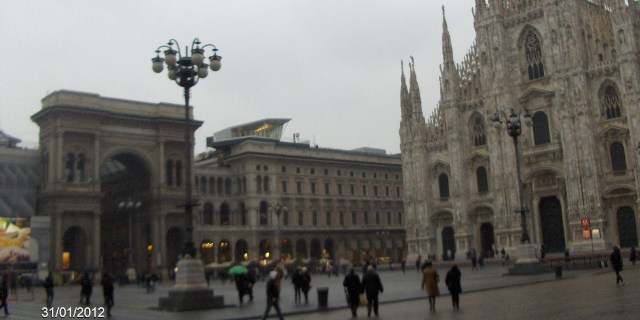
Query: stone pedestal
column 527, row 262
column 190, row 291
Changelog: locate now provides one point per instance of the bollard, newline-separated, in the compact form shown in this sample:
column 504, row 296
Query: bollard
column 558, row 272
column 323, row 297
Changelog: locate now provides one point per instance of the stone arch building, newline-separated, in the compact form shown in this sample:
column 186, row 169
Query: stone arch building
column 574, row 65
column 112, row 182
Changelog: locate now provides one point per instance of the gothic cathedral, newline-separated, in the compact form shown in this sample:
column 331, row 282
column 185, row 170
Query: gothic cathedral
column 566, row 75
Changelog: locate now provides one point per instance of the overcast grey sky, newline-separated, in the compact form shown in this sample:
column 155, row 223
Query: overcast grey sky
column 331, row 66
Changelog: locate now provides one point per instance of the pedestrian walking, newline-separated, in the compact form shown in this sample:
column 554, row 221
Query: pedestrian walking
column 107, row 292
column 48, row 288
column 244, row 284
column 4, row 294
column 86, row 289
column 633, row 255
column 296, row 280
column 430, row 280
column 452, row 280
column 273, row 295
column 616, row 264
column 372, row 286
column 403, row 265
column 418, row 263
column 353, row 286
column 305, row 284
column 474, row 261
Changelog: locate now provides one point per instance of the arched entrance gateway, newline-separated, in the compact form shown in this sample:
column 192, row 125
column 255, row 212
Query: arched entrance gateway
column 113, row 182
column 552, row 224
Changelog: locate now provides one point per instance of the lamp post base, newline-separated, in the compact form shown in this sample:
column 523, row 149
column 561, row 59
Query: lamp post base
column 527, row 262
column 190, row 291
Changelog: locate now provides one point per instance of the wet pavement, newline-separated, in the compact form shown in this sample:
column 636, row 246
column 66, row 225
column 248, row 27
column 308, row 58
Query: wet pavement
column 488, row 294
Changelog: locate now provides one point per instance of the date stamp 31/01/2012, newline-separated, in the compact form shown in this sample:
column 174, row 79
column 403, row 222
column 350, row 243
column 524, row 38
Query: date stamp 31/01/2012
column 73, row 312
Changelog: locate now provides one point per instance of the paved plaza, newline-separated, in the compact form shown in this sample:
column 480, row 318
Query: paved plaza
column 488, row 294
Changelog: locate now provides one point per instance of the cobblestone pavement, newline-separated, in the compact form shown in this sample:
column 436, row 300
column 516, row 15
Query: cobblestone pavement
column 488, row 294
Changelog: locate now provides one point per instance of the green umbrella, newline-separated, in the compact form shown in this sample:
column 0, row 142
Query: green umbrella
column 237, row 270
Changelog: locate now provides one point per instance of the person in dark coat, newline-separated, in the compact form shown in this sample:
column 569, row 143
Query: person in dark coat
column 296, row 280
column 107, row 292
column 4, row 294
column 354, row 288
column 305, row 284
column 633, row 255
column 372, row 286
column 48, row 288
column 86, row 289
column 452, row 280
column 616, row 264
column 273, row 295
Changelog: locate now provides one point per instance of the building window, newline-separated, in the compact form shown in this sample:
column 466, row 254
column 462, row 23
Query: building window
column 386, row 190
column 298, row 170
column 611, row 102
column 364, row 190
column 285, row 218
column 339, row 173
column 169, row 172
column 443, row 183
column 264, row 213
column 300, row 218
column 313, row 187
column 366, row 218
column 375, row 175
column 400, row 218
column 178, row 173
column 259, row 183
column 212, row 185
column 243, row 214
column 224, row 215
column 284, row 187
column 377, row 218
column 478, row 134
column 533, row 55
column 386, row 176
column 351, row 173
column 354, row 218
column 540, row 128
column 207, row 214
column 364, row 175
column 328, row 218
column 398, row 191
column 341, row 215
column 339, row 188
column 314, row 218
column 283, row 169
column 388, row 218
column 265, row 182
column 375, row 191
column 326, row 188
column 481, row 179
column 326, row 172
column 353, row 189
column 618, row 159
column 227, row 186
column 313, row 171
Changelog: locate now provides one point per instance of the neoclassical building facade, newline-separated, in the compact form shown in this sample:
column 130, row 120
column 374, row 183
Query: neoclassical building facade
column 262, row 197
column 573, row 65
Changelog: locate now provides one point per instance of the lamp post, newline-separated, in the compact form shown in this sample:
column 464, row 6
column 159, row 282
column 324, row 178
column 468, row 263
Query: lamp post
column 131, row 206
column 186, row 71
column 277, row 209
column 191, row 291
column 513, row 123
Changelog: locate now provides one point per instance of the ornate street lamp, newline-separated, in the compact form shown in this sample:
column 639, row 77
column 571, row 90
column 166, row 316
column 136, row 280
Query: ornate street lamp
column 186, row 71
column 277, row 209
column 513, row 124
column 191, row 291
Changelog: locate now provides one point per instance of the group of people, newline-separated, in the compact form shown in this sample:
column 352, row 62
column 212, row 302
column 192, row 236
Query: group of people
column 86, row 290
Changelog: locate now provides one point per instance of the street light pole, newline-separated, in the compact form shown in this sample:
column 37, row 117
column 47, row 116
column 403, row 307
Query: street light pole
column 277, row 209
column 190, row 290
column 186, row 71
column 514, row 129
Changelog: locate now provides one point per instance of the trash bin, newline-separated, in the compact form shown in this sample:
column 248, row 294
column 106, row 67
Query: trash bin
column 558, row 272
column 323, row 297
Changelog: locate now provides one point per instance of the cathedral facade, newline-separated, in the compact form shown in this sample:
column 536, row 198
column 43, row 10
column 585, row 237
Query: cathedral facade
column 572, row 66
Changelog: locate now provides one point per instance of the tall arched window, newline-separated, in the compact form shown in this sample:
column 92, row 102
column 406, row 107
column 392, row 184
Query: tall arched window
column 540, row 128
column 219, row 186
column 533, row 55
column 178, row 173
column 70, row 166
column 478, row 134
column 212, row 185
column 203, row 184
column 481, row 179
column 265, row 181
column 227, row 186
column 207, row 213
column 259, row 183
column 618, row 159
column 264, row 213
column 80, row 176
column 443, row 183
column 611, row 106
column 169, row 172
column 224, row 214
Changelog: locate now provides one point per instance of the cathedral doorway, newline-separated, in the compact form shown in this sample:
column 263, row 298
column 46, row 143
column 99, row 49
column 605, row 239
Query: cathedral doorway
column 448, row 244
column 552, row 224
column 486, row 239
column 125, row 182
column 627, row 232
column 241, row 251
column 73, row 250
column 316, row 249
column 301, row 249
column 328, row 249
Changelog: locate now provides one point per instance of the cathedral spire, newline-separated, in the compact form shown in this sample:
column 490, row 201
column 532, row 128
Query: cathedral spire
column 449, row 72
column 405, row 104
column 414, row 95
column 447, row 50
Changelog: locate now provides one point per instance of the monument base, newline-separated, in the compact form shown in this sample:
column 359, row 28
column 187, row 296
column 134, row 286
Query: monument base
column 527, row 262
column 190, row 291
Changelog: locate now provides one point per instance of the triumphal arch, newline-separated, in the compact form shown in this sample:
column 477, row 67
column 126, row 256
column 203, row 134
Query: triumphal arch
column 112, row 182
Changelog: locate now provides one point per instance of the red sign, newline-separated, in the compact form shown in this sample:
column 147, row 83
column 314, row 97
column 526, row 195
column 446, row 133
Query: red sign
column 584, row 222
